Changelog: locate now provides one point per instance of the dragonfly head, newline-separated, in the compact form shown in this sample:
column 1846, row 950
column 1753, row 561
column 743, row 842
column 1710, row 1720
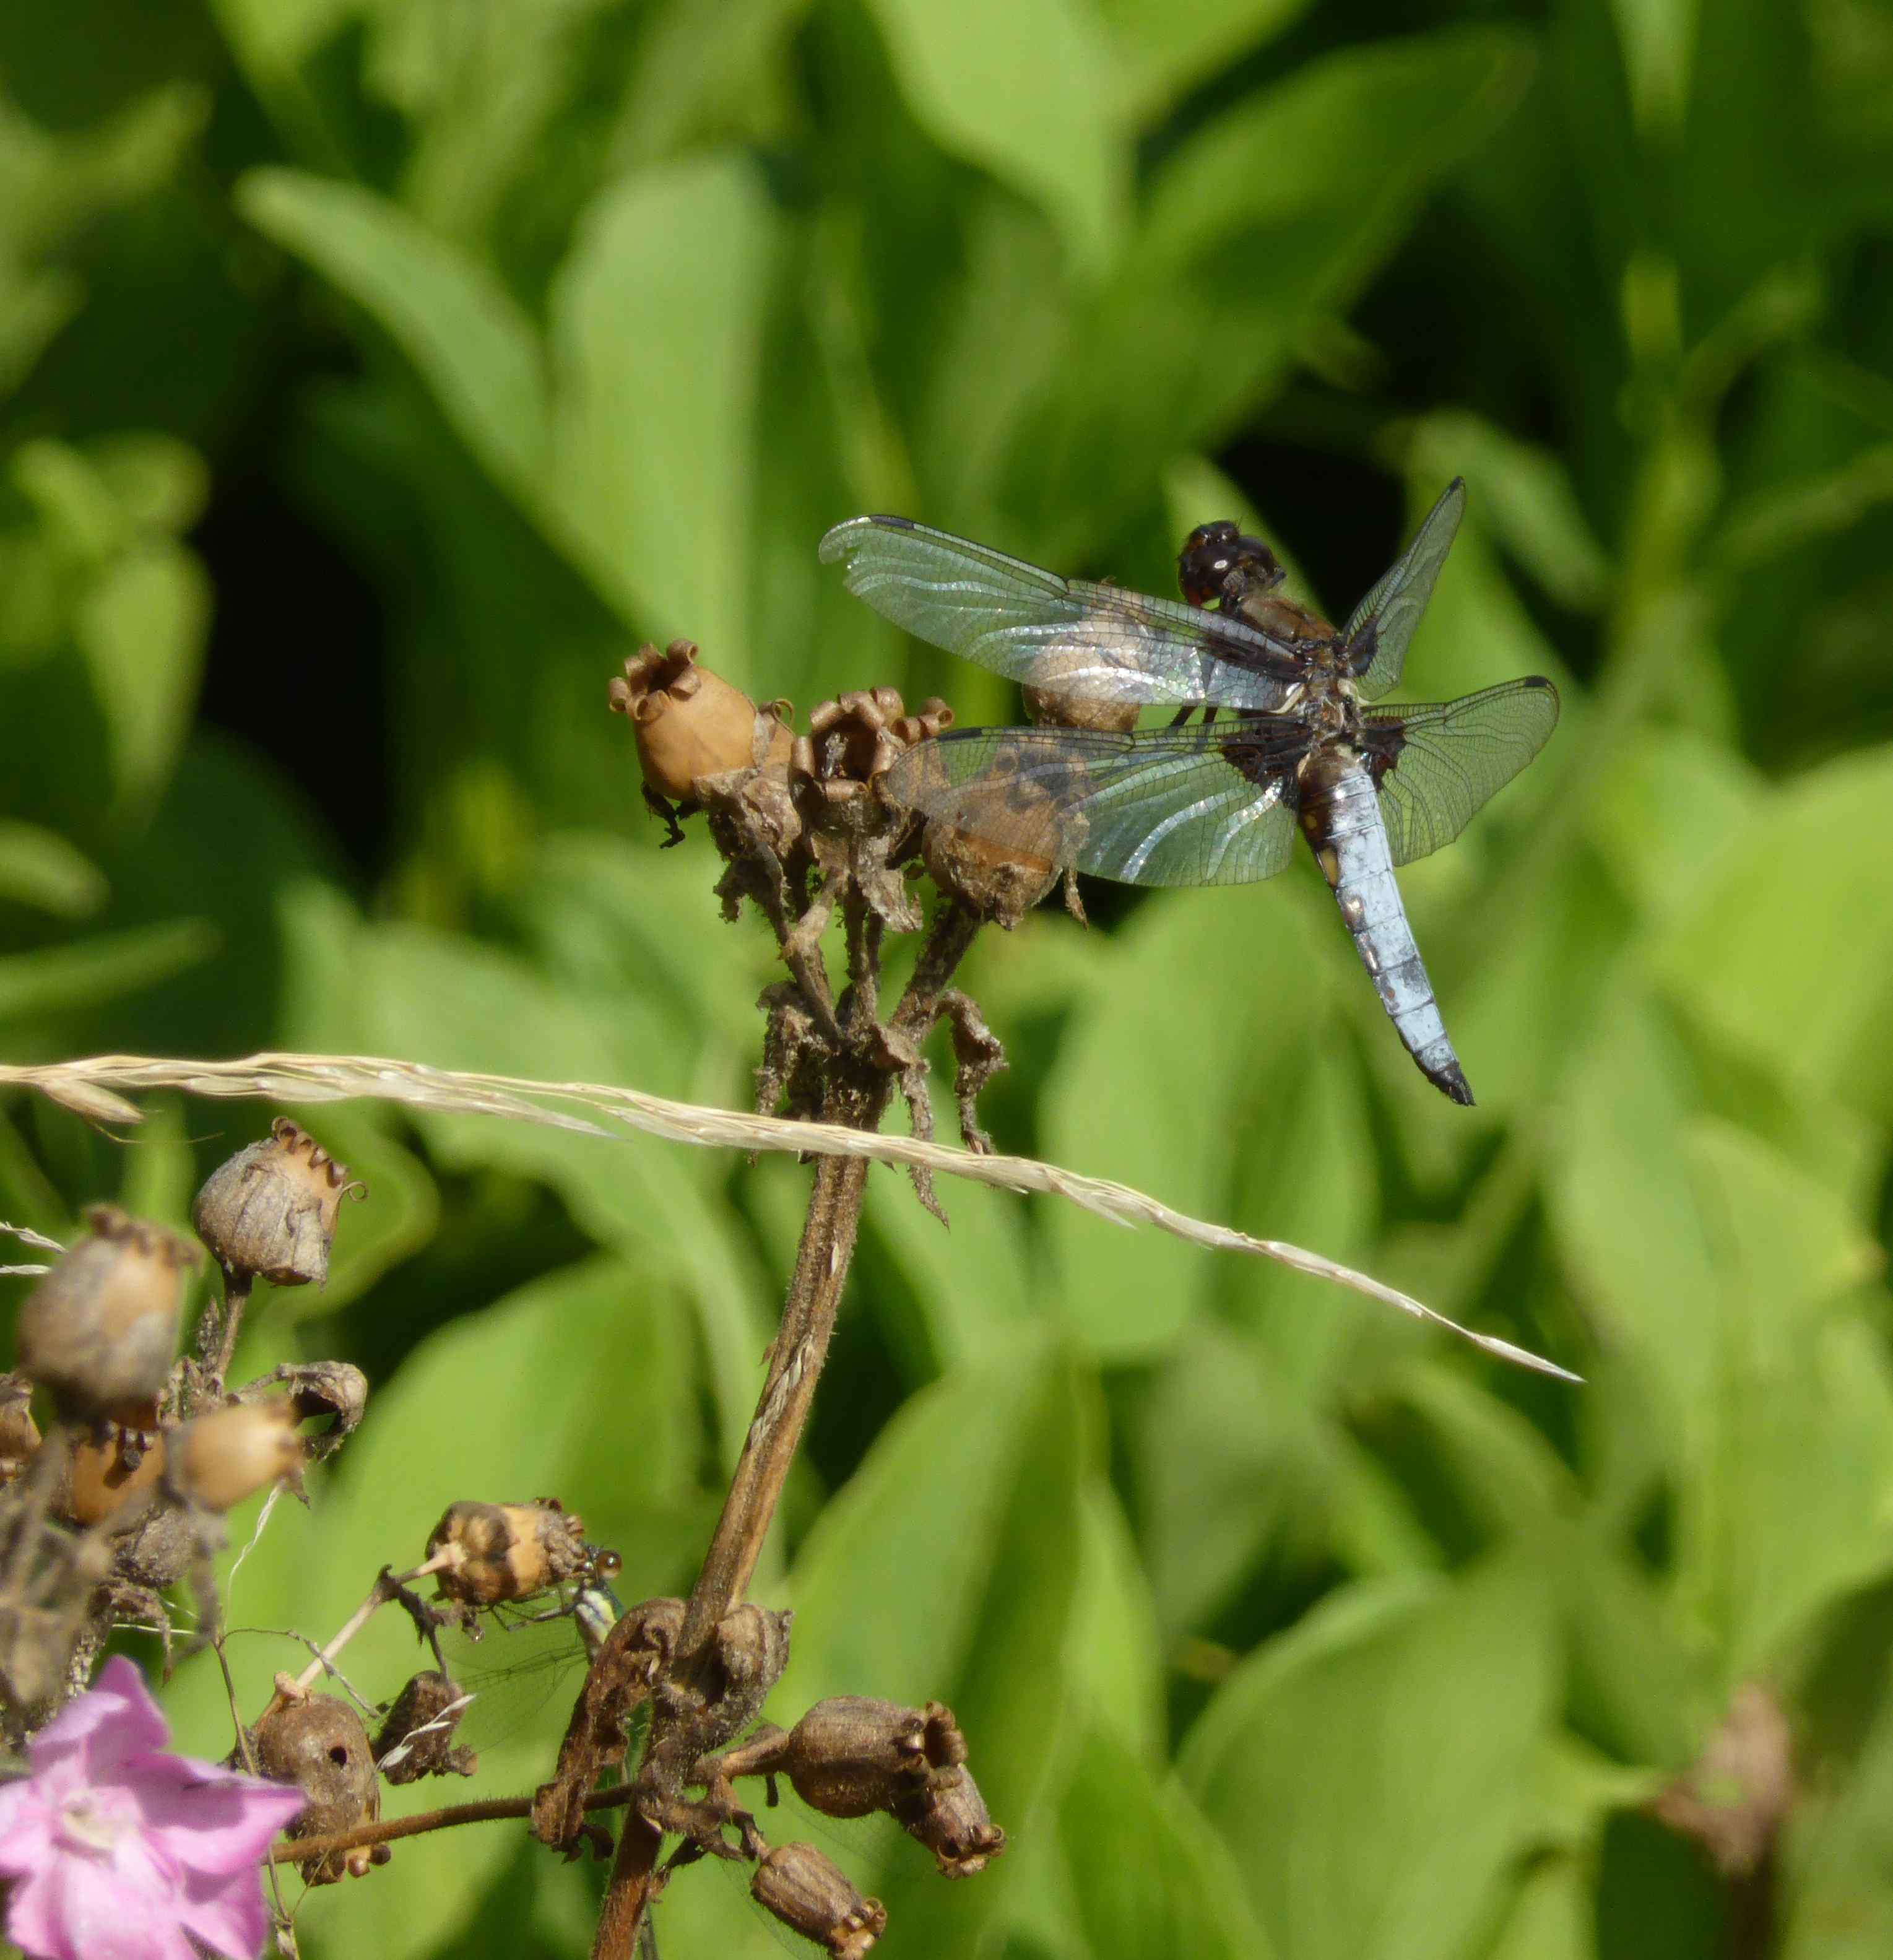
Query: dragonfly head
column 1218, row 563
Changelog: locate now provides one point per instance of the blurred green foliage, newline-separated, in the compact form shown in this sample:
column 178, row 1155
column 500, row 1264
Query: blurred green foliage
column 408, row 360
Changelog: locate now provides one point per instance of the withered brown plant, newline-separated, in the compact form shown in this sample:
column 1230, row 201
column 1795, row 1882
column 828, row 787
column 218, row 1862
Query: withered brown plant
column 809, row 843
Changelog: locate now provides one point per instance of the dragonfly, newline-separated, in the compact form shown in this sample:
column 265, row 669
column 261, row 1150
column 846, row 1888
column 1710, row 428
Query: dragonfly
column 1286, row 738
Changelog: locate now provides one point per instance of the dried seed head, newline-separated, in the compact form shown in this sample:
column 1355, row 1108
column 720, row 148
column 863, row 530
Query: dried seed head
column 219, row 1459
column 271, row 1209
column 1004, row 854
column 337, row 1389
column 19, row 1434
column 812, row 1896
column 104, row 1471
column 100, row 1330
column 689, row 722
column 855, row 738
column 318, row 1743
column 852, row 1754
column 498, row 1552
column 417, row 1738
column 950, row 1818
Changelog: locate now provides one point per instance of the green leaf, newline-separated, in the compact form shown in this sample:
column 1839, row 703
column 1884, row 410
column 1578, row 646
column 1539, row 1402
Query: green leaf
column 1553, row 1916
column 432, row 998
column 656, row 324
column 39, row 868
column 1370, row 1769
column 1164, row 52
column 1116, row 1653
column 1149, row 1878
column 1197, row 953
column 468, row 340
column 1522, row 495
column 63, row 979
column 1027, row 89
column 1796, row 903
column 1335, row 155
column 142, row 631
column 1627, row 1214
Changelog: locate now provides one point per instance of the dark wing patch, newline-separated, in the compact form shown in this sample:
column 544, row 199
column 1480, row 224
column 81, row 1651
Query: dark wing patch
column 1435, row 765
column 1375, row 642
column 1194, row 806
column 1067, row 635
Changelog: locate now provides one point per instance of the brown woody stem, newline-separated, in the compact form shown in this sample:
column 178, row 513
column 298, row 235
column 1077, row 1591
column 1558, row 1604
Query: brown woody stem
column 858, row 1097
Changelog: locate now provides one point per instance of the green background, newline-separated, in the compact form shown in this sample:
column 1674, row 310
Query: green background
column 374, row 376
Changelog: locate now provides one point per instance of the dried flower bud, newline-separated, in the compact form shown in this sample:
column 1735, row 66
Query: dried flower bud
column 689, row 722
column 417, row 1738
column 950, row 1818
column 100, row 1330
column 104, row 1471
column 271, row 1209
column 852, row 1754
column 812, row 1896
column 19, row 1434
column 318, row 1742
column 498, row 1552
column 219, row 1459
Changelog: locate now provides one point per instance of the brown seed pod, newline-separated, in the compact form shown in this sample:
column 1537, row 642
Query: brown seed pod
column 1004, row 852
column 949, row 1817
column 812, row 1896
column 855, row 738
column 417, row 1738
column 689, row 722
column 105, row 1470
column 100, row 1329
column 19, row 1434
column 271, row 1209
column 318, row 1743
column 219, row 1459
column 852, row 1754
column 498, row 1552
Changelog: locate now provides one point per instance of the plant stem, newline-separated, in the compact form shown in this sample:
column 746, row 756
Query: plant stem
column 858, row 1094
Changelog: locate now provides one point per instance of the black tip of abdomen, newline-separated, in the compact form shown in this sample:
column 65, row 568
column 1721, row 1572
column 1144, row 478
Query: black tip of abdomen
column 1451, row 1078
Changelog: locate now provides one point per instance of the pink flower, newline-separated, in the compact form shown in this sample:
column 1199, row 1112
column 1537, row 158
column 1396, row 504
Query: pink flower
column 114, row 1849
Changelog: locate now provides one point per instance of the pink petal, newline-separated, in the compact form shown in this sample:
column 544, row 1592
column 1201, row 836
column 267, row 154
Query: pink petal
column 228, row 1914
column 80, row 1908
column 209, row 1819
column 26, row 1826
column 115, row 1718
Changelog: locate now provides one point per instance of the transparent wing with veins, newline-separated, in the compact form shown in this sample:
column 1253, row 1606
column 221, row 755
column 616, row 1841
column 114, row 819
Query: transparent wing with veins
column 1377, row 637
column 1437, row 763
column 1068, row 634
column 1190, row 806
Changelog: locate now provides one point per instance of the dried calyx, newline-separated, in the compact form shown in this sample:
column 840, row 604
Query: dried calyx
column 317, row 1742
column 812, row 1896
column 215, row 1461
column 416, row 1740
column 100, row 1330
column 107, row 1467
column 855, row 738
column 486, row 1554
column 19, row 1434
column 271, row 1209
column 853, row 1755
column 689, row 723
